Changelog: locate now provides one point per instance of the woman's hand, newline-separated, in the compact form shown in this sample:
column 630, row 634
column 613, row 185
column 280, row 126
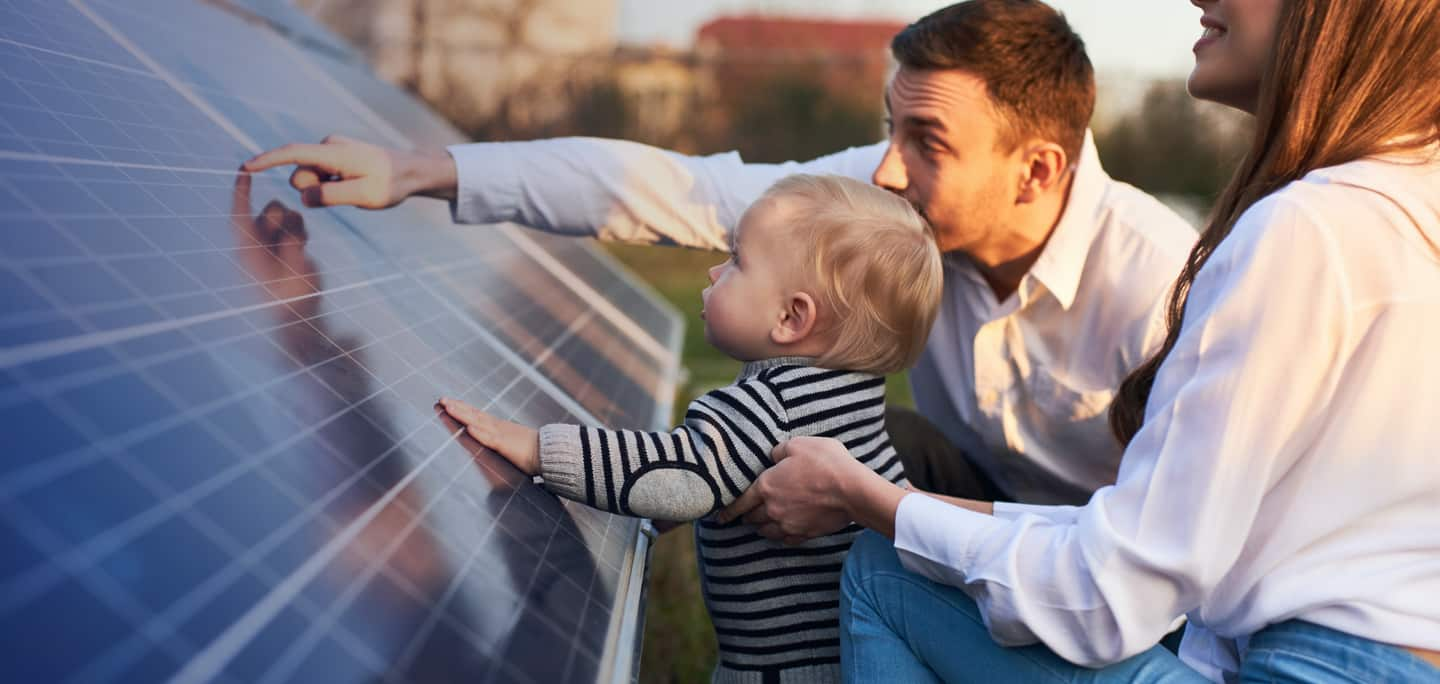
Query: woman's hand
column 815, row 488
column 519, row 445
column 343, row 171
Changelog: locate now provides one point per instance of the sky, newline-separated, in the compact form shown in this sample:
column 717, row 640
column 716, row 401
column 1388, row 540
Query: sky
column 1125, row 38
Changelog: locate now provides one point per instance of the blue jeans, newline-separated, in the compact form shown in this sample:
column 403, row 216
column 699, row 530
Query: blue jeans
column 896, row 626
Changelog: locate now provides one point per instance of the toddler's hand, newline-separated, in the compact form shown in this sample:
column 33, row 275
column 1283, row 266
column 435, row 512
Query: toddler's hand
column 518, row 444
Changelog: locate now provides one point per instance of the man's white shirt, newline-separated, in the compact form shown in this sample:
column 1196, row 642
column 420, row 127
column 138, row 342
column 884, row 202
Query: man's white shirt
column 1021, row 385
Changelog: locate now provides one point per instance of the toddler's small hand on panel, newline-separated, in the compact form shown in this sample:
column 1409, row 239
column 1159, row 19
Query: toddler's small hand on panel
column 519, row 444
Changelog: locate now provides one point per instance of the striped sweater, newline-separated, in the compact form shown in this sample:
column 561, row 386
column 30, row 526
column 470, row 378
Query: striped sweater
column 774, row 607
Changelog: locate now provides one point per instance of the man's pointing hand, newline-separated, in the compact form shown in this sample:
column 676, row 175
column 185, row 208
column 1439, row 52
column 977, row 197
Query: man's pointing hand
column 341, row 171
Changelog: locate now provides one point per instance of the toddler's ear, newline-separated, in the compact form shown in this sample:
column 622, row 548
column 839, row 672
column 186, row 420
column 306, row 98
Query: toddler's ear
column 798, row 320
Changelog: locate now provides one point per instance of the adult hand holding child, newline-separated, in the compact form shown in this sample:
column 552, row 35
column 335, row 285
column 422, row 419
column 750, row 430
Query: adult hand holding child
column 809, row 492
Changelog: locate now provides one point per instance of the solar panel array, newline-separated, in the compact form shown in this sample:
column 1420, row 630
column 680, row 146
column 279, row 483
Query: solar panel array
column 221, row 459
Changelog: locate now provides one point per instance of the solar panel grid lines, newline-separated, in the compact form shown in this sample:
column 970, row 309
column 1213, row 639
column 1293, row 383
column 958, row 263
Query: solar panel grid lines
column 285, row 18
column 441, row 134
column 226, row 388
column 164, row 74
column 538, row 343
column 63, row 104
column 215, row 656
column 182, row 501
column 16, row 484
column 595, row 300
column 637, row 335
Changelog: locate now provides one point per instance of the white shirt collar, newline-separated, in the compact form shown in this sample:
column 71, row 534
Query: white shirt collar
column 1063, row 259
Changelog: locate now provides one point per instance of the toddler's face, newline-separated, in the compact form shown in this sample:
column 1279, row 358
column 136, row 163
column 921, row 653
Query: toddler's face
column 747, row 292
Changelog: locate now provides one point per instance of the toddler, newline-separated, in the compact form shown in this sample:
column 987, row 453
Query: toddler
column 830, row 285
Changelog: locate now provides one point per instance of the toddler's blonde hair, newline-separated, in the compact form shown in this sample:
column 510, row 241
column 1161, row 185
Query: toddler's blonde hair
column 874, row 264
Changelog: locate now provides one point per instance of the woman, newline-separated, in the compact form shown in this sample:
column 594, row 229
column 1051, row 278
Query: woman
column 1280, row 484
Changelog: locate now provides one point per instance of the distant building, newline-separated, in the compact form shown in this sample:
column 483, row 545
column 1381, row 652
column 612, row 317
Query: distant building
column 662, row 88
column 479, row 60
column 848, row 58
column 529, row 68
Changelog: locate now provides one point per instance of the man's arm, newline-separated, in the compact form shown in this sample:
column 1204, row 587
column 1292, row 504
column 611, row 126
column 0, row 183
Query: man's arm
column 611, row 189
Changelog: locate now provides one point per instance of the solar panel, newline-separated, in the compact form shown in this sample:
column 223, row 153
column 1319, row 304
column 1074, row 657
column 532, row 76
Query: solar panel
column 221, row 456
column 294, row 24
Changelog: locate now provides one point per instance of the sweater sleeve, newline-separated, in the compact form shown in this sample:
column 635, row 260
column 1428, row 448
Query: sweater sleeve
column 683, row 474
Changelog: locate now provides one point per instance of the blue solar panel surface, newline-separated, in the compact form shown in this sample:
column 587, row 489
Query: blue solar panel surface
column 221, row 459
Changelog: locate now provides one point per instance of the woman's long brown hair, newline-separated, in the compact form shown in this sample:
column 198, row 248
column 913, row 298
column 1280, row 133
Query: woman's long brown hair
column 1347, row 79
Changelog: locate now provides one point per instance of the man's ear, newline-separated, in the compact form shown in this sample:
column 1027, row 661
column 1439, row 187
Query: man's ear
column 797, row 321
column 1044, row 165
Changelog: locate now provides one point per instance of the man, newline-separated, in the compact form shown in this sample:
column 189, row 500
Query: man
column 1055, row 275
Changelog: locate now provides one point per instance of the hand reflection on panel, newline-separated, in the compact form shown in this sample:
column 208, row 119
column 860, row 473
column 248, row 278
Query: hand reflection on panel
column 541, row 541
column 440, row 610
column 393, row 571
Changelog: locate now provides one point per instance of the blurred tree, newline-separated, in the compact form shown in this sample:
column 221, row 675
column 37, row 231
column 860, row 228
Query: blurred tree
column 1175, row 145
column 595, row 106
column 791, row 116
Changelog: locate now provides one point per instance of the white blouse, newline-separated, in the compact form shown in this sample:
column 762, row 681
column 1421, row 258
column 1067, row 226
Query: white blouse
column 1289, row 465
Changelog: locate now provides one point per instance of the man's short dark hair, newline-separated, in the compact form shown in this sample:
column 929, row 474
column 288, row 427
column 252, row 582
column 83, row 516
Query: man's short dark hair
column 1033, row 64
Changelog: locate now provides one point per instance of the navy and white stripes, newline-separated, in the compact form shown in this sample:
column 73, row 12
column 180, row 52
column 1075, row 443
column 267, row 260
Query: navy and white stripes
column 774, row 607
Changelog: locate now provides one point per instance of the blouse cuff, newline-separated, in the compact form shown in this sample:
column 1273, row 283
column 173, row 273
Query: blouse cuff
column 1055, row 514
column 939, row 540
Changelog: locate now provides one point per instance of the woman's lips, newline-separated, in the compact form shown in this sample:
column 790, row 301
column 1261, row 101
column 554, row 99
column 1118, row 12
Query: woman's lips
column 1213, row 32
column 1203, row 42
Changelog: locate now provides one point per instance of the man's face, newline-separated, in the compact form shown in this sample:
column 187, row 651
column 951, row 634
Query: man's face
column 944, row 157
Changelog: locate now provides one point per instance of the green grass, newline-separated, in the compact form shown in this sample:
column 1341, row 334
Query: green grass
column 679, row 644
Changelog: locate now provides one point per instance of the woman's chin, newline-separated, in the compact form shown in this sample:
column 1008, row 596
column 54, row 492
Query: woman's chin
column 1204, row 85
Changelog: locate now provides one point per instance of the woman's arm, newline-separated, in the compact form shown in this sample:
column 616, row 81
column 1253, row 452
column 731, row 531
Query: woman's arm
column 1234, row 404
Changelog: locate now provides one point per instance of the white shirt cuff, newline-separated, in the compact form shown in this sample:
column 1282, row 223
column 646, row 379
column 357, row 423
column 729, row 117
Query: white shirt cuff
column 1056, row 514
column 487, row 183
column 938, row 540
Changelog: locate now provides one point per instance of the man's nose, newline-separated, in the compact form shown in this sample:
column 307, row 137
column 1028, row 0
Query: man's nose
column 714, row 272
column 890, row 174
